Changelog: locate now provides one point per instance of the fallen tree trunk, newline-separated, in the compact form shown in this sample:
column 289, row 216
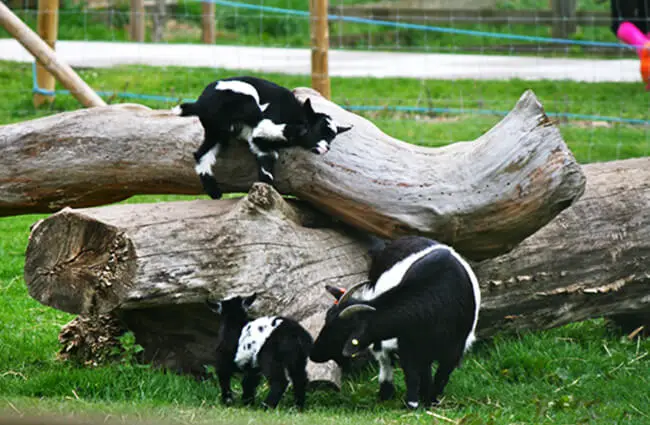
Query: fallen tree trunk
column 483, row 197
column 154, row 265
column 592, row 260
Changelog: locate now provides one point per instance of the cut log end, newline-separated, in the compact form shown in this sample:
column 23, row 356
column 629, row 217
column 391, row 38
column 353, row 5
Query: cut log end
column 72, row 260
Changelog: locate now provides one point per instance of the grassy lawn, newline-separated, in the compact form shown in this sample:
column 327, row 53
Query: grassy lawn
column 583, row 373
column 239, row 26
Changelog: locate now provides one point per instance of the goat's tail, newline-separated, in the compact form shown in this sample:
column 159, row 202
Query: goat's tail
column 186, row 109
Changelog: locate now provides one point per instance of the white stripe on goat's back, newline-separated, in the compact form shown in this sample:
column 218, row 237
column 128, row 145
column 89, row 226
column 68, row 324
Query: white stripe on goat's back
column 477, row 295
column 393, row 276
column 252, row 338
column 239, row 87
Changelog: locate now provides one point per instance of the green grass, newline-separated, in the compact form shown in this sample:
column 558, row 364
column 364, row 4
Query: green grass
column 238, row 26
column 581, row 373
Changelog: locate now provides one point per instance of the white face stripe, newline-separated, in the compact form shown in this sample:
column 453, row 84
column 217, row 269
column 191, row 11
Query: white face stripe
column 263, row 107
column 239, row 87
column 267, row 129
column 252, row 339
column 207, row 161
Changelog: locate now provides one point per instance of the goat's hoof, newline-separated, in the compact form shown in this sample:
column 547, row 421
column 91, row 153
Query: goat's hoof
column 227, row 401
column 386, row 391
column 434, row 403
column 412, row 405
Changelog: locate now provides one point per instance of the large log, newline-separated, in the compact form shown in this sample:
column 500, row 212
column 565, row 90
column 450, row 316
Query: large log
column 153, row 265
column 483, row 197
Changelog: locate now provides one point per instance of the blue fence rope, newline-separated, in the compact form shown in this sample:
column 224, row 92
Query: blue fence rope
column 420, row 27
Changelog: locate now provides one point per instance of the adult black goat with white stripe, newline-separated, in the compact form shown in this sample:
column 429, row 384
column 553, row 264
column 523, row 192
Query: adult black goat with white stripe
column 265, row 115
column 273, row 346
column 419, row 291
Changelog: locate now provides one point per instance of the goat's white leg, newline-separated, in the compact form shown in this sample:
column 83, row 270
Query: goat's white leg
column 203, row 168
column 386, row 386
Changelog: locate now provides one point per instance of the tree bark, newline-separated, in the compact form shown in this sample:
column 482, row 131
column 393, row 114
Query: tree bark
column 154, row 265
column 483, row 197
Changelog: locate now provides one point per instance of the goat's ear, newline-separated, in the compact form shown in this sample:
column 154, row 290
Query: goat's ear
column 308, row 108
column 340, row 129
column 215, row 306
column 355, row 309
column 246, row 302
column 335, row 291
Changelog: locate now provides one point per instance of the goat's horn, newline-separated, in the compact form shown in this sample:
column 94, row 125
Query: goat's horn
column 353, row 289
column 355, row 308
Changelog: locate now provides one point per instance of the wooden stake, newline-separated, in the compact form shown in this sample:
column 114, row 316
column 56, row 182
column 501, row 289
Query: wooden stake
column 137, row 20
column 48, row 58
column 48, row 24
column 319, row 47
column 209, row 26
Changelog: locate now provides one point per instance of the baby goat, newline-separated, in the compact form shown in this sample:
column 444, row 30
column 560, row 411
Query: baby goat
column 420, row 292
column 272, row 346
column 263, row 114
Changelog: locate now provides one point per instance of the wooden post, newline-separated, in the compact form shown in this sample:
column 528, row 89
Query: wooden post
column 48, row 24
column 564, row 17
column 319, row 31
column 209, row 25
column 48, row 58
column 137, row 20
column 159, row 18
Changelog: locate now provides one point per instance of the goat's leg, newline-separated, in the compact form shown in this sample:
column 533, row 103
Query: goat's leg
column 249, row 384
column 224, row 382
column 265, row 163
column 278, row 383
column 411, row 368
column 299, row 379
column 386, row 386
column 425, row 383
column 206, row 157
column 445, row 368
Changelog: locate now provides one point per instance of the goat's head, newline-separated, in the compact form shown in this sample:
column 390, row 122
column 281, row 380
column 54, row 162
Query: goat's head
column 346, row 321
column 235, row 308
column 322, row 129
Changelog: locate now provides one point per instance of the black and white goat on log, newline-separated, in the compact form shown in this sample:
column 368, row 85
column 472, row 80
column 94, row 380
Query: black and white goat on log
column 273, row 346
column 422, row 300
column 265, row 115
